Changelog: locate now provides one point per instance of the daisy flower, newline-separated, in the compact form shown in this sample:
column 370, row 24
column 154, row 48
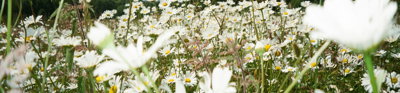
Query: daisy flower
column 107, row 14
column 190, row 78
column 380, row 75
column 289, row 69
column 347, row 71
column 248, row 46
column 359, row 24
column 166, row 50
column 89, row 59
column 219, row 81
column 67, row 41
column 392, row 80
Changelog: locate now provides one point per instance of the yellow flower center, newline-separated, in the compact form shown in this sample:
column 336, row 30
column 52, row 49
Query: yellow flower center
column 279, row 3
column 28, row 38
column 173, row 74
column 267, row 47
column 42, row 69
column 285, row 13
column 164, row 4
column 346, row 70
column 247, row 58
column 249, row 47
column 152, row 26
column 312, row 41
column 343, row 50
column 394, row 80
column 345, row 60
column 277, row 53
column 113, row 89
column 146, row 83
column 359, row 56
column 313, row 64
column 167, row 52
column 124, row 19
column 99, row 78
column 278, row 67
column 187, row 80
column 171, row 80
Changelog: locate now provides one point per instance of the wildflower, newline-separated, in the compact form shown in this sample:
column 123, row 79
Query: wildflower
column 67, row 41
column 107, row 14
column 167, row 50
column 392, row 80
column 32, row 20
column 248, row 46
column 380, row 75
column 393, row 34
column 249, row 57
column 89, row 59
column 345, row 58
column 397, row 55
column 380, row 53
column 265, row 45
column 190, row 79
column 312, row 65
column 101, row 36
column 164, row 4
column 360, row 25
column 305, row 3
column 289, row 69
column 347, row 71
column 277, row 65
column 219, row 81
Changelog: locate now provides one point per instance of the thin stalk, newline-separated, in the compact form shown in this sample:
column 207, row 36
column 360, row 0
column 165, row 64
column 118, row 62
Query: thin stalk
column 69, row 55
column 1, row 11
column 19, row 13
column 49, row 42
column 262, row 73
column 128, row 25
column 9, row 18
column 146, row 71
column 313, row 59
column 370, row 70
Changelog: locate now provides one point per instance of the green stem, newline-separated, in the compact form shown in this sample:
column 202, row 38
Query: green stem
column 262, row 73
column 313, row 59
column 9, row 14
column 49, row 43
column 146, row 71
column 69, row 52
column 1, row 11
column 370, row 70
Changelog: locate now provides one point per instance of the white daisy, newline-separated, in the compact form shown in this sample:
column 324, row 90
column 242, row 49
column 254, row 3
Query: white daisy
column 380, row 75
column 359, row 24
column 89, row 59
column 392, row 80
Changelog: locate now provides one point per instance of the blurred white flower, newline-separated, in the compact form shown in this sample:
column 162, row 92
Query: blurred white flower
column 100, row 35
column 132, row 56
column 361, row 24
column 220, row 81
